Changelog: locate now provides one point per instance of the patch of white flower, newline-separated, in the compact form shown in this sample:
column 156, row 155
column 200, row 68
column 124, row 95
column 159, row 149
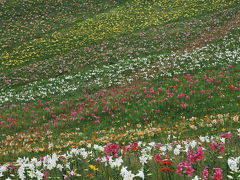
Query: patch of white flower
column 128, row 175
column 126, row 71
column 34, row 168
column 177, row 150
column 2, row 170
column 234, row 164
column 116, row 162
column 144, row 158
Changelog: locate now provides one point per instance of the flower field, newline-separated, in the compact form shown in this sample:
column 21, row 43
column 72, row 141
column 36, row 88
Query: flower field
column 112, row 89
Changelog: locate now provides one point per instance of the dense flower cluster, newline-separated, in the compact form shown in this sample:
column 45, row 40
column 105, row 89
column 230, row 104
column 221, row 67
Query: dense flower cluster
column 67, row 164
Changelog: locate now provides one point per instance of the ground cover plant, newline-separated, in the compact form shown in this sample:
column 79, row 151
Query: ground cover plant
column 120, row 89
column 106, row 25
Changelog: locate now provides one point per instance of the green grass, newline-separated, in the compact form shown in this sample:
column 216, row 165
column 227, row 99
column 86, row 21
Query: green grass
column 124, row 19
column 22, row 21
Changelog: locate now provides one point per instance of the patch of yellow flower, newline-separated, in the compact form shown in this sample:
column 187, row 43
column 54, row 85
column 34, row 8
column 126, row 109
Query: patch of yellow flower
column 135, row 15
column 94, row 168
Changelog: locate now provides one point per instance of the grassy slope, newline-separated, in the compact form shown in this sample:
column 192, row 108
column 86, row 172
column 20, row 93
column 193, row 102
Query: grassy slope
column 22, row 21
column 91, row 58
column 151, row 40
column 121, row 20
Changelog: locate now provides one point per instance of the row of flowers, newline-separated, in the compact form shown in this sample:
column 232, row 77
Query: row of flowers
column 211, row 157
column 107, row 25
column 224, row 53
column 23, row 21
column 41, row 141
column 161, row 107
column 176, row 94
column 154, row 40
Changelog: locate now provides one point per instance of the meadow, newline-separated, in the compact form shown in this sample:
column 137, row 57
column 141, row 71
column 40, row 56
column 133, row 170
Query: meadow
column 133, row 89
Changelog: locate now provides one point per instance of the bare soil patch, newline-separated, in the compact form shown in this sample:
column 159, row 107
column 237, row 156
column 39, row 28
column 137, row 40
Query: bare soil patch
column 211, row 35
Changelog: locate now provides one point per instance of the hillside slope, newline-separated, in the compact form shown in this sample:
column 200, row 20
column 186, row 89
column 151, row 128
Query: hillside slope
column 119, row 89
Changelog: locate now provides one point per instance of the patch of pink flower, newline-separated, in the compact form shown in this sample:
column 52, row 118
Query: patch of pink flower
column 183, row 106
column 226, row 135
column 45, row 175
column 205, row 173
column 157, row 157
column 131, row 147
column 194, row 156
column 111, row 150
column 185, row 168
column 218, row 174
column 217, row 147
